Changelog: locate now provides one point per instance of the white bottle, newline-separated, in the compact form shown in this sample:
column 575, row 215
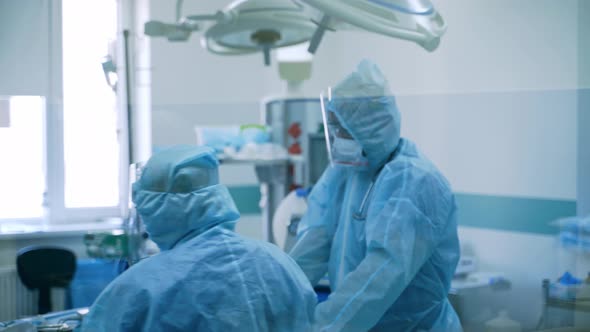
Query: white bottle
column 286, row 218
column 502, row 323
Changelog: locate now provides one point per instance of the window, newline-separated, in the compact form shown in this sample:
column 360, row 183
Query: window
column 91, row 148
column 62, row 151
column 22, row 176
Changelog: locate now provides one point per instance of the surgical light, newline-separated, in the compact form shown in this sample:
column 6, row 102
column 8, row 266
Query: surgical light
column 413, row 20
column 250, row 26
column 259, row 25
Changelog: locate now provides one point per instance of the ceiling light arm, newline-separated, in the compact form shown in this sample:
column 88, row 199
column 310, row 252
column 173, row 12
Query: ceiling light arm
column 318, row 35
column 420, row 22
column 178, row 10
column 219, row 16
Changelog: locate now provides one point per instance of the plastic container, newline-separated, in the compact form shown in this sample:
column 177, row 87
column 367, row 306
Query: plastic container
column 219, row 137
column 286, row 220
column 574, row 234
column 253, row 133
column 234, row 136
column 573, row 246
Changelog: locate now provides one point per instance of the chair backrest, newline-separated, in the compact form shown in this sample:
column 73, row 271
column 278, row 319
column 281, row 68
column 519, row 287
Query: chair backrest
column 44, row 267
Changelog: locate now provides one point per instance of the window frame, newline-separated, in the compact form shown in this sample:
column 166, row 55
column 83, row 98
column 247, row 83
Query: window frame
column 53, row 122
column 58, row 212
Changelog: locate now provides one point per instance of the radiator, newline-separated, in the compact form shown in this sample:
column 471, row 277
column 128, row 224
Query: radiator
column 16, row 301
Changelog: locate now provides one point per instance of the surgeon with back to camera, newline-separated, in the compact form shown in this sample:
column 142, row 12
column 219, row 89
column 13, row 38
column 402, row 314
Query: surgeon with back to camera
column 381, row 220
column 206, row 277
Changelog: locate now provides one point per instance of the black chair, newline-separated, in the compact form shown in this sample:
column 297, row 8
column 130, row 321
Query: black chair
column 44, row 267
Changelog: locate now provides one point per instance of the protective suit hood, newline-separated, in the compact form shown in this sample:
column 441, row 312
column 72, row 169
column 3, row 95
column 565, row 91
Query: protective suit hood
column 366, row 108
column 179, row 196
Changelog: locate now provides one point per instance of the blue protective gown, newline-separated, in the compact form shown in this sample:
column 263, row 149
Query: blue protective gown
column 207, row 277
column 390, row 268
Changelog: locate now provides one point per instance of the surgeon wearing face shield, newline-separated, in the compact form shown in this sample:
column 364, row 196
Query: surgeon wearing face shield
column 381, row 221
column 206, row 277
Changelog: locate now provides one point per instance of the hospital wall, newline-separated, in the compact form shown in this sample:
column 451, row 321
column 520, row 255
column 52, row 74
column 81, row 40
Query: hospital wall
column 500, row 107
column 24, row 66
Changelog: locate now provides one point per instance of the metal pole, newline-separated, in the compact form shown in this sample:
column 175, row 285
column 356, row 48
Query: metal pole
column 128, row 96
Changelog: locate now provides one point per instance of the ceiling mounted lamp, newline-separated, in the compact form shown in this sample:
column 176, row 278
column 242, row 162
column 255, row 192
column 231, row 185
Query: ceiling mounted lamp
column 413, row 20
column 250, row 26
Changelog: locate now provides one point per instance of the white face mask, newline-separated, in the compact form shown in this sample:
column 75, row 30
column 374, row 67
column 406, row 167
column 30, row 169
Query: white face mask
column 347, row 152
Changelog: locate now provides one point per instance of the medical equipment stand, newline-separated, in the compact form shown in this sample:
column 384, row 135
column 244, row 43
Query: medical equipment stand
column 293, row 122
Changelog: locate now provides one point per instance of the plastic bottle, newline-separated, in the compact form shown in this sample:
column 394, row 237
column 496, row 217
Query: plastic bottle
column 502, row 323
column 287, row 216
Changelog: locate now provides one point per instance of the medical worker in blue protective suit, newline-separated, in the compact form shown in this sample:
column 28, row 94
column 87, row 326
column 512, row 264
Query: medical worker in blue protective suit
column 381, row 221
column 206, row 277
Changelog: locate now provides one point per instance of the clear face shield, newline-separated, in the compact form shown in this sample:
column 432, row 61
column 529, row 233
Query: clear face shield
column 343, row 149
